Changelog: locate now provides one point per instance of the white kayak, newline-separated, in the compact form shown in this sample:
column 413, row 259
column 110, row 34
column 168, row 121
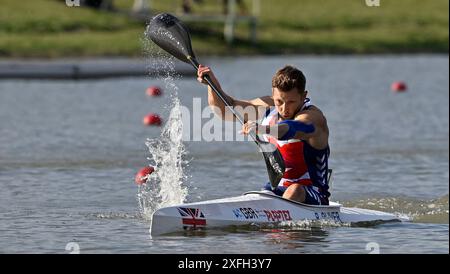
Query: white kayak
column 258, row 208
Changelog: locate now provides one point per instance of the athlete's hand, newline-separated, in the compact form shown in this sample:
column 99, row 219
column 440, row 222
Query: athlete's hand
column 203, row 71
column 255, row 127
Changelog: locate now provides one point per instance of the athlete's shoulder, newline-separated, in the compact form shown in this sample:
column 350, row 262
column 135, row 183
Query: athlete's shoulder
column 265, row 101
column 313, row 115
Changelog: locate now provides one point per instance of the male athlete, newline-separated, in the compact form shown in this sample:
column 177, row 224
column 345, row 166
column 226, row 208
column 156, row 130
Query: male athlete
column 298, row 129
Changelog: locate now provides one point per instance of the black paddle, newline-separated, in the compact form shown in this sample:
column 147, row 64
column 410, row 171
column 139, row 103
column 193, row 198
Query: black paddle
column 171, row 35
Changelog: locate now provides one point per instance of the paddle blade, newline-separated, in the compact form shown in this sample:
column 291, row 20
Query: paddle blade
column 274, row 163
column 170, row 34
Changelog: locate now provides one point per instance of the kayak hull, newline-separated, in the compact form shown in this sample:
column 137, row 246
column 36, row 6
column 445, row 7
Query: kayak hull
column 257, row 207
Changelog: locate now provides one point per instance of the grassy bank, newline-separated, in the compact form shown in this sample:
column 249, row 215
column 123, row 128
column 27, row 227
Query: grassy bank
column 48, row 28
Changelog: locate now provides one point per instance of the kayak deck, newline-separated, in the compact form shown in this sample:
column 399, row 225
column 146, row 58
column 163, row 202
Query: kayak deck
column 257, row 207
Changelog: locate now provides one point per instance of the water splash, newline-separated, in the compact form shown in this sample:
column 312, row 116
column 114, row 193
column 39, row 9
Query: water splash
column 160, row 64
column 302, row 225
column 166, row 185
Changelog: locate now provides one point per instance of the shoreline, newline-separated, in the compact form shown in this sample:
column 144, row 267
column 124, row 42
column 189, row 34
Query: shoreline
column 95, row 68
column 102, row 67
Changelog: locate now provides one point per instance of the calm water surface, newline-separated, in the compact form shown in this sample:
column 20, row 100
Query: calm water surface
column 69, row 151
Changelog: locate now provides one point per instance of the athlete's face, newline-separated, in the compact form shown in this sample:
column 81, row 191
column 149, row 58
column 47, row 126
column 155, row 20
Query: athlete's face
column 288, row 103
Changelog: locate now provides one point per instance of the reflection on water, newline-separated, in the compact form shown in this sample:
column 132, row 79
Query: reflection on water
column 296, row 240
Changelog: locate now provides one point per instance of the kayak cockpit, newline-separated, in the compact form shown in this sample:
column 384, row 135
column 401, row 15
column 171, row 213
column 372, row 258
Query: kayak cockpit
column 266, row 193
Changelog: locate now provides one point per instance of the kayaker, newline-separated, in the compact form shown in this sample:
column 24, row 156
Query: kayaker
column 299, row 129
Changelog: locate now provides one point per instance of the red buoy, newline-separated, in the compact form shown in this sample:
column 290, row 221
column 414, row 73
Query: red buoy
column 153, row 91
column 152, row 119
column 398, row 86
column 140, row 177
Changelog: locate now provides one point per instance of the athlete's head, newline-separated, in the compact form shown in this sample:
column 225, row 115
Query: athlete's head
column 288, row 91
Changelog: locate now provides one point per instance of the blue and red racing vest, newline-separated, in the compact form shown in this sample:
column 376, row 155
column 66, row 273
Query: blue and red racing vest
column 305, row 165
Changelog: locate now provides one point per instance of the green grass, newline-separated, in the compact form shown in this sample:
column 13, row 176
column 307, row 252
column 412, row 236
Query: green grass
column 48, row 28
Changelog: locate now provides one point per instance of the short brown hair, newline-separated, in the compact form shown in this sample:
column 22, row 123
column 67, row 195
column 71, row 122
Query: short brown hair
column 288, row 78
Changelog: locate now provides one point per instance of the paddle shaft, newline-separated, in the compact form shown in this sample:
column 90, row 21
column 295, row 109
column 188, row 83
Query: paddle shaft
column 222, row 97
column 274, row 166
column 172, row 36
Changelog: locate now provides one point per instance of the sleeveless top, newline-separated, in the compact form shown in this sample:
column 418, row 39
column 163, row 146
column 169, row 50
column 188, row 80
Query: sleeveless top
column 304, row 164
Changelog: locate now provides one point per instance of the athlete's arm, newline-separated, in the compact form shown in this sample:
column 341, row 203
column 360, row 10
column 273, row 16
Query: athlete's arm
column 250, row 110
column 302, row 127
column 299, row 128
column 317, row 138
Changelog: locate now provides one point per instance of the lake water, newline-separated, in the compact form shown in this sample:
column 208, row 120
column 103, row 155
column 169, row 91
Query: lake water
column 69, row 151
